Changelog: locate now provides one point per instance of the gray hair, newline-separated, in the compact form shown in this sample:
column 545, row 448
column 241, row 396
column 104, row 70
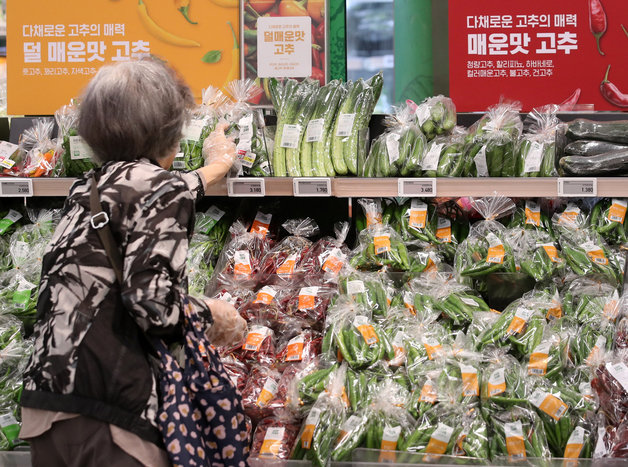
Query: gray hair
column 134, row 109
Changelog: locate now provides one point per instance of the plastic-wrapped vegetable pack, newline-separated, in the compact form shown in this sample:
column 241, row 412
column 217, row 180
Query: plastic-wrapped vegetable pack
column 608, row 219
column 399, row 150
column 518, row 433
column 365, row 289
column 536, row 151
column 241, row 257
column 310, row 304
column 274, row 437
column 41, row 150
column 260, row 389
column 283, row 264
column 327, row 257
column 436, row 116
column 380, row 246
column 445, row 156
column 532, row 215
column 492, row 140
column 536, row 254
column 77, row 156
column 325, row 422
column 486, row 249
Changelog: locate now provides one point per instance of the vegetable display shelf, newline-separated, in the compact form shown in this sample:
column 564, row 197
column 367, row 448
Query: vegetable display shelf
column 347, row 187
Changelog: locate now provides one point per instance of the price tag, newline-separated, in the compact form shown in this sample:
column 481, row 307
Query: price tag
column 416, row 187
column 577, row 187
column 312, row 186
column 244, row 187
column 16, row 188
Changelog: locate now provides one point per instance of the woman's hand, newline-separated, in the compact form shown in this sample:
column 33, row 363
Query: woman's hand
column 229, row 327
column 219, row 153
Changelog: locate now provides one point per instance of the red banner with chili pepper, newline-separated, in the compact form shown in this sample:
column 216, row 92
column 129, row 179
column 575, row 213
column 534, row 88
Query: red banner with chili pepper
column 537, row 52
column 54, row 48
column 283, row 39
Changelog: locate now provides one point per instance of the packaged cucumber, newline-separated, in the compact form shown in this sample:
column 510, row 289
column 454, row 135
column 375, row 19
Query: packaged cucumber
column 353, row 117
column 492, row 140
column 314, row 162
column 294, row 103
column 398, row 150
column 536, row 151
column 435, row 116
column 445, row 156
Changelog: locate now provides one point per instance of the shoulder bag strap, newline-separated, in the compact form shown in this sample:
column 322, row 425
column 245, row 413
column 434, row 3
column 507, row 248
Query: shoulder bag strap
column 100, row 222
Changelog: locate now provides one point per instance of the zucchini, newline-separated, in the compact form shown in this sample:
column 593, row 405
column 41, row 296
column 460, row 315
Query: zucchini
column 362, row 117
column 588, row 147
column 614, row 131
column 609, row 163
column 288, row 108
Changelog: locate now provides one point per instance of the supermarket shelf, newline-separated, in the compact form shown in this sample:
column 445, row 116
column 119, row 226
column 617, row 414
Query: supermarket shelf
column 346, row 187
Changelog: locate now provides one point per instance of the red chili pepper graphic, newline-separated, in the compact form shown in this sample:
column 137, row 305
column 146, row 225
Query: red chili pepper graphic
column 612, row 93
column 569, row 103
column 597, row 21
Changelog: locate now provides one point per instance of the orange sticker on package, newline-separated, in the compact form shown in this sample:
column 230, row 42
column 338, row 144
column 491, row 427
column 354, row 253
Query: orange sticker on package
column 306, row 298
column 514, row 440
column 268, row 392
column 265, row 295
column 418, row 214
column 381, row 243
column 272, row 442
column 255, row 337
column 470, row 385
column 294, row 349
column 533, row 213
column 366, row 329
column 310, row 425
column 496, row 383
column 443, row 230
column 617, row 211
column 439, row 439
column 548, row 403
column 242, row 263
column 496, row 250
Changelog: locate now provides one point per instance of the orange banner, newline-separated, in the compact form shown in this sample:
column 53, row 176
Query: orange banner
column 54, row 48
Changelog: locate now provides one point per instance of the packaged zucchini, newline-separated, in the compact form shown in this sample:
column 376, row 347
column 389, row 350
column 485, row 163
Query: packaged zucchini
column 491, row 142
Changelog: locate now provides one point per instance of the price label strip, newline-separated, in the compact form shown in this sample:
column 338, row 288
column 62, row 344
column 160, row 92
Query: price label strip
column 577, row 187
column 246, row 187
column 308, row 187
column 16, row 188
column 416, row 187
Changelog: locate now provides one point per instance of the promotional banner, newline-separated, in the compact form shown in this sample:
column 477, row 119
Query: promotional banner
column 539, row 52
column 54, row 48
column 283, row 39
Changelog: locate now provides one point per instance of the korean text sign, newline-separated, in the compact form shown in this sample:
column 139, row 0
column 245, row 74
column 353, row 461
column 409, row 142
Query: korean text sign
column 56, row 47
column 535, row 52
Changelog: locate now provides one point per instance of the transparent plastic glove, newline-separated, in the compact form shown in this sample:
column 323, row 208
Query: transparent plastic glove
column 228, row 328
column 219, row 151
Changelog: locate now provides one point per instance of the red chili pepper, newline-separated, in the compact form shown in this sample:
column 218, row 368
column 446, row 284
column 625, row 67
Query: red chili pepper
column 318, row 74
column 569, row 103
column 597, row 21
column 319, row 33
column 316, row 56
column 612, row 93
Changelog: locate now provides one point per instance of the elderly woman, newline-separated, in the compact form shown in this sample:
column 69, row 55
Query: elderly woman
column 90, row 396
